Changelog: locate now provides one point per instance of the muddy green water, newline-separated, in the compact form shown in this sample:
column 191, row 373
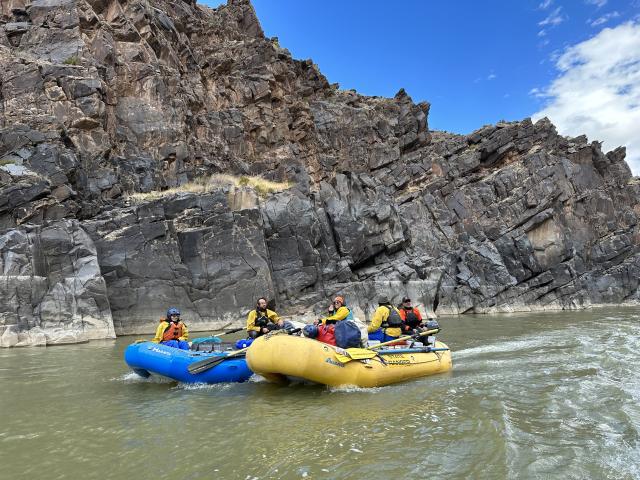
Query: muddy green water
column 551, row 395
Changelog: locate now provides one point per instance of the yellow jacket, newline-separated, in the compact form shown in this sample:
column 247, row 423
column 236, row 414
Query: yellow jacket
column 164, row 324
column 338, row 315
column 253, row 315
column 379, row 317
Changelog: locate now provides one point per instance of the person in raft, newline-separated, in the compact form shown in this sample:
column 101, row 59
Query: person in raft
column 261, row 320
column 171, row 331
column 340, row 312
column 325, row 327
column 386, row 323
column 411, row 316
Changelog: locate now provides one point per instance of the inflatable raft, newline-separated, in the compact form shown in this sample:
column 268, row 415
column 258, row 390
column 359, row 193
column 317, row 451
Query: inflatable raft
column 280, row 358
column 148, row 358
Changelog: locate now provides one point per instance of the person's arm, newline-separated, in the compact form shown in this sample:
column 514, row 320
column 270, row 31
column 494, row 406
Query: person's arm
column 273, row 316
column 185, row 333
column 251, row 321
column 376, row 320
column 159, row 332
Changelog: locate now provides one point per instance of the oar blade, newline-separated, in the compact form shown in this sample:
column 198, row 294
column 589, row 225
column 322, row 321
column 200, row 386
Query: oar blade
column 361, row 353
column 204, row 365
column 343, row 358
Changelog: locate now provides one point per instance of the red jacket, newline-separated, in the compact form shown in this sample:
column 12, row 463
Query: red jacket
column 326, row 334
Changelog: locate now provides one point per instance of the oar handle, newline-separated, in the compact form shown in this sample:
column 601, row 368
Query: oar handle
column 235, row 330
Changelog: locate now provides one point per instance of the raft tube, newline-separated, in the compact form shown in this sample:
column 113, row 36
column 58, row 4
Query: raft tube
column 279, row 358
column 148, row 358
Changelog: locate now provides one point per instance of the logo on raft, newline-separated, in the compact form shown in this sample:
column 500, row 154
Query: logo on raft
column 333, row 362
column 157, row 350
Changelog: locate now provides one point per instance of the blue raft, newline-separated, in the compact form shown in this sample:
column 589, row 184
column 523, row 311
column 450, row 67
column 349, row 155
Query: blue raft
column 148, row 358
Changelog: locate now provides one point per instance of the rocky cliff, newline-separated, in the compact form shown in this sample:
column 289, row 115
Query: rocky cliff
column 101, row 100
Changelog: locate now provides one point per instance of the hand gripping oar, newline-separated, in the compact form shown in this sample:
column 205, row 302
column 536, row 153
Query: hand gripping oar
column 365, row 353
column 204, row 365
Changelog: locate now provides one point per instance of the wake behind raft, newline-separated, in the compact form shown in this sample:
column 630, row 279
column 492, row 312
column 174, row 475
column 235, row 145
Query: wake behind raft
column 148, row 358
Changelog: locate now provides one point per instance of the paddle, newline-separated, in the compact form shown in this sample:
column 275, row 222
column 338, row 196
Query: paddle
column 406, row 337
column 413, row 350
column 366, row 353
column 211, row 338
column 204, row 365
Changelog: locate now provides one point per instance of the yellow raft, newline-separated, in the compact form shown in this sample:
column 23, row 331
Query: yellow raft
column 278, row 358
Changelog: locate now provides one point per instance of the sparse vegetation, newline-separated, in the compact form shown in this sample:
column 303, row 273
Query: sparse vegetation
column 6, row 161
column 73, row 60
column 262, row 186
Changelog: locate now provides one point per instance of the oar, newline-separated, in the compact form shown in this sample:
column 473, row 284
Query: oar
column 406, row 337
column 366, row 353
column 204, row 365
column 412, row 350
column 210, row 338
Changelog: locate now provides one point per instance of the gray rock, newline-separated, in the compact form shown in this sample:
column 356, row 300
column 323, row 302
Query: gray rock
column 52, row 288
column 101, row 100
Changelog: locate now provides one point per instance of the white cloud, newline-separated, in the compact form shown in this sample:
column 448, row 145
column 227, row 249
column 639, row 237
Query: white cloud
column 491, row 76
column 597, row 3
column 603, row 19
column 545, row 4
column 542, row 33
column 553, row 19
column 597, row 91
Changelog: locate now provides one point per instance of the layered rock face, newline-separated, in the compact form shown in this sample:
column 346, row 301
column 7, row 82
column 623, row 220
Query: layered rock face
column 100, row 99
column 51, row 287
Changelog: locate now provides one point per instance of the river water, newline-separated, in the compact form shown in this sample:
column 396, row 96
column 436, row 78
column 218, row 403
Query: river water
column 540, row 395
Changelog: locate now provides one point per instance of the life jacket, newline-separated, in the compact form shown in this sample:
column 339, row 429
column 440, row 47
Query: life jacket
column 172, row 332
column 394, row 320
column 410, row 318
column 326, row 334
column 262, row 320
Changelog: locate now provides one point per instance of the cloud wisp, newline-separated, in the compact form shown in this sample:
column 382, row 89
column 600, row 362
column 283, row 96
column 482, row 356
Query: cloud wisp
column 597, row 90
column 603, row 19
column 597, row 3
column 554, row 19
column 545, row 4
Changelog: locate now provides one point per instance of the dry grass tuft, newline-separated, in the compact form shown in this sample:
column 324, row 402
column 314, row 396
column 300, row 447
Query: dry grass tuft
column 262, row 186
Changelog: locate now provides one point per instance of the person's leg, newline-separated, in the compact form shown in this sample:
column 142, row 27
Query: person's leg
column 253, row 334
column 171, row 343
column 183, row 345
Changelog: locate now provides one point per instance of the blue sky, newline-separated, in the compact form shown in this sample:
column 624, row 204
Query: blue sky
column 476, row 62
